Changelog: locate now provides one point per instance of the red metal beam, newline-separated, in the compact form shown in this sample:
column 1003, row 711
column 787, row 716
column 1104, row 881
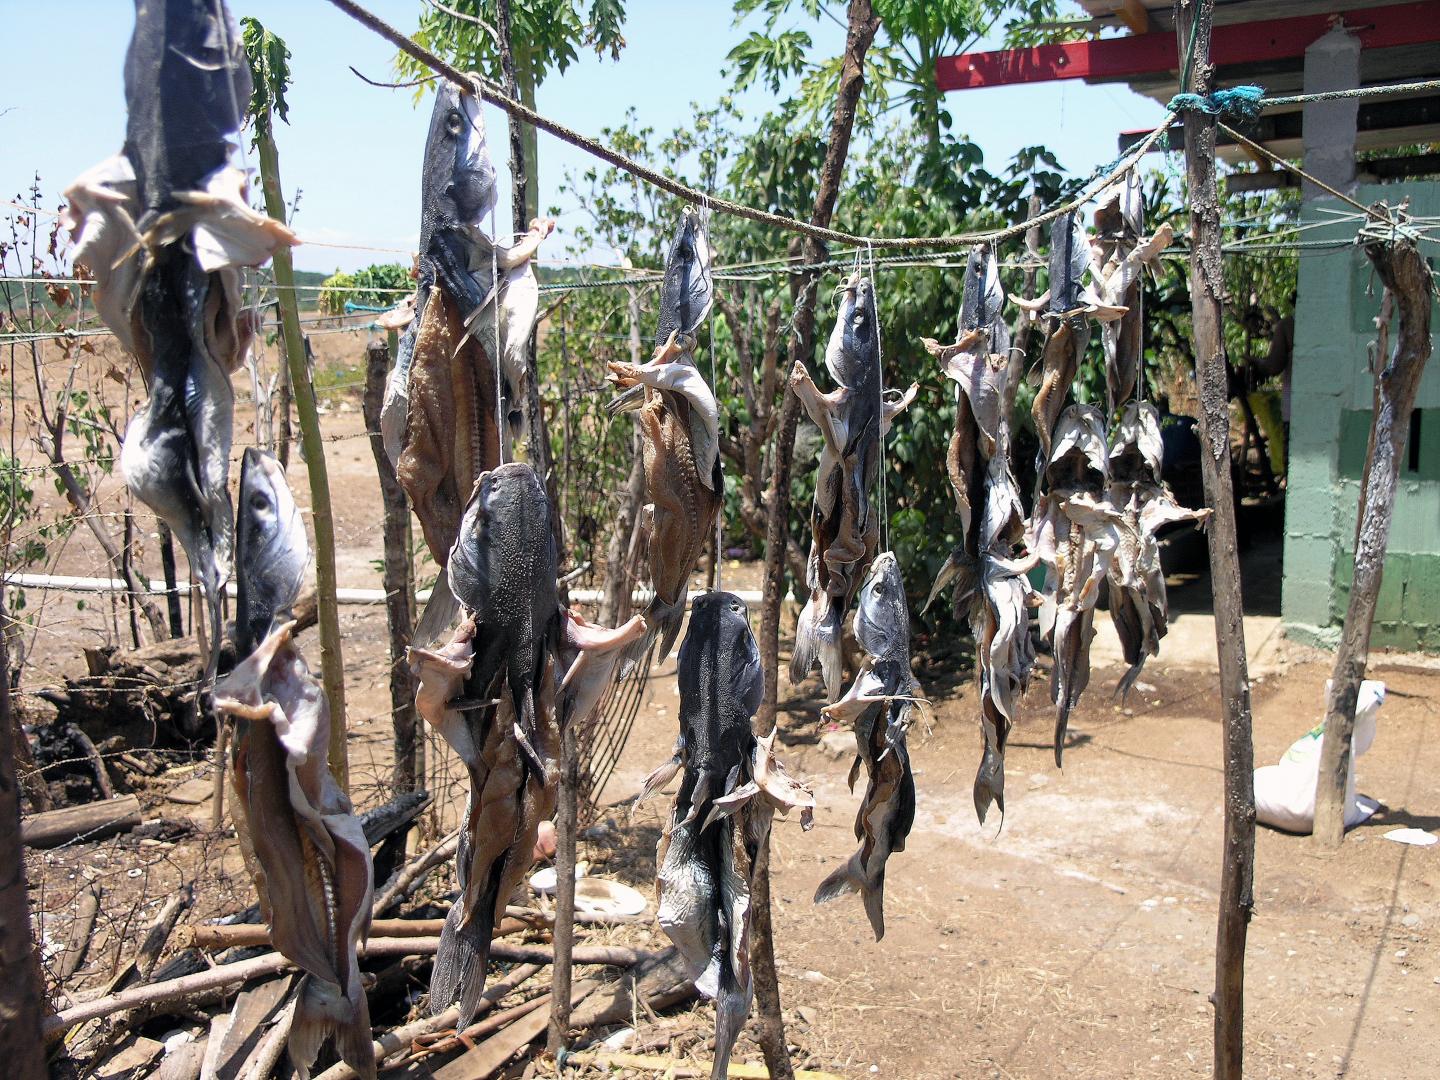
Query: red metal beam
column 1140, row 54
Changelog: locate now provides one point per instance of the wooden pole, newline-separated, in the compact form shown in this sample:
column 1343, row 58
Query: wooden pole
column 564, row 931
column 861, row 26
column 1408, row 286
column 332, row 666
column 398, row 580
column 22, row 999
column 1207, row 284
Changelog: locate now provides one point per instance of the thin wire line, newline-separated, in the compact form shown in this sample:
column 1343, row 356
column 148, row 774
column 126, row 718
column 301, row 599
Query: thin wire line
column 487, row 90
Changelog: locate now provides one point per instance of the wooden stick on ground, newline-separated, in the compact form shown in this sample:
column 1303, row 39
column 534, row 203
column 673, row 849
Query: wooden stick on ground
column 93, row 821
column 402, row 1037
column 1408, row 286
column 239, row 935
column 674, row 1067
column 408, row 877
column 566, row 822
column 81, row 928
column 1207, row 287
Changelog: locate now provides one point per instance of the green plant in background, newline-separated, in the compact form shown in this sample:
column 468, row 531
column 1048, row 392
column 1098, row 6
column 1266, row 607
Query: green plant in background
column 380, row 285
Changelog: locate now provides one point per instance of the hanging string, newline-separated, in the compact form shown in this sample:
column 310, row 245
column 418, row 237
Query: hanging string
column 714, row 388
column 880, row 361
column 501, row 427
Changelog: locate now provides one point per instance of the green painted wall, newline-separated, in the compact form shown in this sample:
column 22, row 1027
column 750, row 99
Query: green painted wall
column 1330, row 404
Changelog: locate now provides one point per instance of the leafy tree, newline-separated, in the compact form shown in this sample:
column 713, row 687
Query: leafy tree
column 900, row 66
column 546, row 36
column 379, row 285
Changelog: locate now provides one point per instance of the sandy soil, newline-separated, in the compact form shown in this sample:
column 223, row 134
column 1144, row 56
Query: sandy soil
column 1077, row 940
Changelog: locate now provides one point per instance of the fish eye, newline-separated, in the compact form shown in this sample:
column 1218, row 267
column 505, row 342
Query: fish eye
column 259, row 503
column 454, row 123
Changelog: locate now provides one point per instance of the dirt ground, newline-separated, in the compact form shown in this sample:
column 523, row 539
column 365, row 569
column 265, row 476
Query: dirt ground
column 1075, row 940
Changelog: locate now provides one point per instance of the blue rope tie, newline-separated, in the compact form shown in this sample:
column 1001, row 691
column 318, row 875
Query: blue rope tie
column 1241, row 102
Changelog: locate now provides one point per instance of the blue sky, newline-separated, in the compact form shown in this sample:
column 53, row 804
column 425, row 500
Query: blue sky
column 354, row 150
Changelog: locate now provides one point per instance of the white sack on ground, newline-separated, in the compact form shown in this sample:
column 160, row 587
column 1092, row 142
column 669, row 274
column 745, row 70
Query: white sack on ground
column 1285, row 793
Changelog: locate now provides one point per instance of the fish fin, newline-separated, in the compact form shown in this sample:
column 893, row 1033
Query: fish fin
column 1122, row 691
column 990, row 784
column 656, row 780
column 849, row 877
column 873, row 896
column 663, row 621
column 439, row 614
column 460, row 962
column 732, row 1009
column 321, row 1009
column 1062, row 723
column 854, row 772
column 817, row 637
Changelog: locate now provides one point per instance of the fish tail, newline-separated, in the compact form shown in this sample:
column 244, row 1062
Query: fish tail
column 817, row 638
column 850, row 877
column 1062, row 722
column 439, row 614
column 1122, row 691
column 664, row 620
column 460, row 962
column 322, row 1010
column 732, row 1008
column 990, row 783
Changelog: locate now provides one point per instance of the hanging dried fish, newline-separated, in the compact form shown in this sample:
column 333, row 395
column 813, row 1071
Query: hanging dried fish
column 1138, row 605
column 302, row 844
column 164, row 227
column 880, row 704
column 1075, row 532
column 978, row 363
column 731, row 787
column 680, row 429
column 439, row 420
column 1122, row 254
column 1000, row 624
column 1069, row 303
column 845, row 529
column 490, row 692
column 590, row 655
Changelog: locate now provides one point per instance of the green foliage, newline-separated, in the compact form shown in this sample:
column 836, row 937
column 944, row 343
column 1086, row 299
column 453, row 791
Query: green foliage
column 269, row 76
column 378, row 285
column 546, row 36
column 17, row 500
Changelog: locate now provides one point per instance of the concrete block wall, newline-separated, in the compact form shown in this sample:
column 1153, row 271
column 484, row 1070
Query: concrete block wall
column 1330, row 408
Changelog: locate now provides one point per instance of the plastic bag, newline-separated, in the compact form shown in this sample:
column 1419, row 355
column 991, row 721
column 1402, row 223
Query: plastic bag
column 1285, row 793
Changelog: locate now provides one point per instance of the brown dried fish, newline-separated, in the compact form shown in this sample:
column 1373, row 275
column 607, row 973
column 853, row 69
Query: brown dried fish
column 1074, row 532
column 302, row 844
column 1138, row 604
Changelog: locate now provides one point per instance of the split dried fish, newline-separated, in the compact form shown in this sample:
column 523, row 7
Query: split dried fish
column 845, row 529
column 301, row 841
column 731, row 787
column 1122, row 253
column 439, row 418
column 164, row 227
column 1138, row 604
column 880, row 704
column 978, row 363
column 1000, row 625
column 1068, row 305
column 680, row 430
column 490, row 692
column 1075, row 533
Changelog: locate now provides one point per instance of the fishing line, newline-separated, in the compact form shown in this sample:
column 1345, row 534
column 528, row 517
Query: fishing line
column 880, row 416
column 714, row 384
column 501, row 430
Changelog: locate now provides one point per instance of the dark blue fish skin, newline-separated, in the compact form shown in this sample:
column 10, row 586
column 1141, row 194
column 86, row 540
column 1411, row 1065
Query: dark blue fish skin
column 187, row 84
column 454, row 192
column 721, row 683
column 502, row 568
column 1069, row 258
column 687, row 290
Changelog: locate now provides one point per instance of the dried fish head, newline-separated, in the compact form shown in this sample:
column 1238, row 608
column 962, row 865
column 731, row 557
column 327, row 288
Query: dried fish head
column 1137, row 452
column 853, row 353
column 882, row 616
column 687, row 290
column 1069, row 263
column 1079, row 459
column 457, row 181
column 271, row 548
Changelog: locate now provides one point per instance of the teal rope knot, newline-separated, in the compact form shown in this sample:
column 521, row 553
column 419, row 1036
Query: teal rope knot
column 1241, row 102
